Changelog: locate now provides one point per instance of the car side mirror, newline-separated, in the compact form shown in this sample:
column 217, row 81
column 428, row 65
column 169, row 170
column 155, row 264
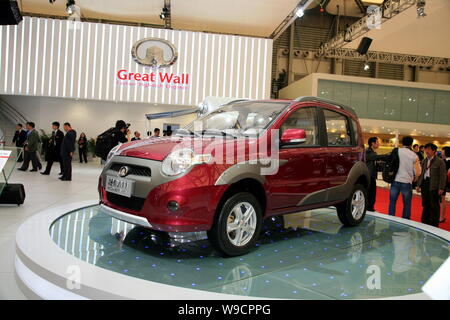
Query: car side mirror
column 293, row 136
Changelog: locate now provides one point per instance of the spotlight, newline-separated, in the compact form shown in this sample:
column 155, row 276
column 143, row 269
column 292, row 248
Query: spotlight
column 163, row 15
column 299, row 12
column 366, row 66
column 70, row 7
column 421, row 8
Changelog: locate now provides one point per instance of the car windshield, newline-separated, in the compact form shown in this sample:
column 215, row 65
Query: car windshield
column 245, row 118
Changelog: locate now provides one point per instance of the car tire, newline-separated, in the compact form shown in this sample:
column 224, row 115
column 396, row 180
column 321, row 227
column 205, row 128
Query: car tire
column 353, row 210
column 237, row 225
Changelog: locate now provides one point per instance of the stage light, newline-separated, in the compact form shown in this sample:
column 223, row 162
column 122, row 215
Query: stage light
column 421, row 8
column 163, row 15
column 299, row 12
column 70, row 7
column 366, row 66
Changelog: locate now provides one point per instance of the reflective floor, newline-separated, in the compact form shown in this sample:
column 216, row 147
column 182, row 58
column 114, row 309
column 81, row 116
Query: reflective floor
column 307, row 255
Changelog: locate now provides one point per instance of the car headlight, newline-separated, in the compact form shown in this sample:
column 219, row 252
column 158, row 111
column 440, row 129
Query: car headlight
column 112, row 153
column 180, row 161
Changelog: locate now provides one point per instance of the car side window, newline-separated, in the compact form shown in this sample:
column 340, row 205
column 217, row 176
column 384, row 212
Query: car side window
column 305, row 119
column 338, row 129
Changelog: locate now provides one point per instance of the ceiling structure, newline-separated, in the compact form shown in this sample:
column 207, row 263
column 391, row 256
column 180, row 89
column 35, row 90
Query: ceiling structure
column 408, row 34
column 250, row 17
column 404, row 33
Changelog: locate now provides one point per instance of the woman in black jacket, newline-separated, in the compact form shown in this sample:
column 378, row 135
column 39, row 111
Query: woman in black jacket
column 82, row 147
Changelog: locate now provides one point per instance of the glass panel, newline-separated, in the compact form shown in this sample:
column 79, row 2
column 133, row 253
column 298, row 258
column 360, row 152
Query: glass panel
column 442, row 108
column 304, row 118
column 359, row 97
column 409, row 105
column 375, row 107
column 393, row 103
column 342, row 92
column 8, row 160
column 338, row 132
column 326, row 89
column 426, row 106
column 389, row 102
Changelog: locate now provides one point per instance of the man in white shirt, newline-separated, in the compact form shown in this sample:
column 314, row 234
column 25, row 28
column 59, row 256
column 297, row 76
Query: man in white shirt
column 409, row 170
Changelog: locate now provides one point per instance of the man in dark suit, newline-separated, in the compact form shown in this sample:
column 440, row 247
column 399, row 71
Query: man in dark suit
column 432, row 183
column 31, row 147
column 416, row 149
column 371, row 160
column 67, row 149
column 53, row 153
column 20, row 136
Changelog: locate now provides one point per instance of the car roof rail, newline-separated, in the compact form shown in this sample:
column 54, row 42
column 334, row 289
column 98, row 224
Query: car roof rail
column 333, row 103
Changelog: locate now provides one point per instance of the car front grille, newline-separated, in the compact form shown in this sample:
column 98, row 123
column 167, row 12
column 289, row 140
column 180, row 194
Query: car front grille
column 134, row 170
column 132, row 203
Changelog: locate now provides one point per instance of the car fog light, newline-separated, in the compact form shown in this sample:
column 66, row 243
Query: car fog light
column 173, row 206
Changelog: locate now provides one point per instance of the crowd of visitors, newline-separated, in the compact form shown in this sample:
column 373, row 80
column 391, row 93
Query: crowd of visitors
column 416, row 167
column 60, row 148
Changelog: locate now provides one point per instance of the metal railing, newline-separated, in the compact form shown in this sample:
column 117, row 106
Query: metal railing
column 11, row 113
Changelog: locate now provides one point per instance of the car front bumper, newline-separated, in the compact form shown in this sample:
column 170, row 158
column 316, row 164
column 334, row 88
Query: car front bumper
column 194, row 191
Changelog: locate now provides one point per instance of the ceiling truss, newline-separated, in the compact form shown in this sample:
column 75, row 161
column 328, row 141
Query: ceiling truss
column 377, row 56
column 388, row 57
column 303, row 4
column 389, row 9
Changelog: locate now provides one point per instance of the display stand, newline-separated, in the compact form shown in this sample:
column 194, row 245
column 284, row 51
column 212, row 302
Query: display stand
column 9, row 193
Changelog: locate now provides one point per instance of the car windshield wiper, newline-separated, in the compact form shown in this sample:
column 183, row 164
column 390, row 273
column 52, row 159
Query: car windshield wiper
column 186, row 132
column 216, row 132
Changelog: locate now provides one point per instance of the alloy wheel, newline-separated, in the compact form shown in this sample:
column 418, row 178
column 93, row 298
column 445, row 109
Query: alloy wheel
column 358, row 204
column 241, row 224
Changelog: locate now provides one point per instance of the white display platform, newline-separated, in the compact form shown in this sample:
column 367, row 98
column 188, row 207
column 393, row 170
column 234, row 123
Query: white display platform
column 45, row 271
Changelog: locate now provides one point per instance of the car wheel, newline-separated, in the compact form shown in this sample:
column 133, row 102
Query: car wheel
column 353, row 210
column 237, row 225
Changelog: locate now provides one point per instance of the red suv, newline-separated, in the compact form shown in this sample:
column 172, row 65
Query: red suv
column 234, row 167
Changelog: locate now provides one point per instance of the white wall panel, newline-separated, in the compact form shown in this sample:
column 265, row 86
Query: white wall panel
column 48, row 57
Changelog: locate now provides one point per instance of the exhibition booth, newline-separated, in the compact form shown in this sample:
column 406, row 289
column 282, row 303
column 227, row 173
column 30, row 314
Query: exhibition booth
column 85, row 72
column 92, row 74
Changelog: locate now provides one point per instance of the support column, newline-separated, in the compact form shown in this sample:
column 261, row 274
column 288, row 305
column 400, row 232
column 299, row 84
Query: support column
column 290, row 75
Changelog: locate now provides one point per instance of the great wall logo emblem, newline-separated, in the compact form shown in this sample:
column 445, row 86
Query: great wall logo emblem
column 154, row 52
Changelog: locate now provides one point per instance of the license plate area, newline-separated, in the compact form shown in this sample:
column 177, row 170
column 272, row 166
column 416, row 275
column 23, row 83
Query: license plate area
column 120, row 186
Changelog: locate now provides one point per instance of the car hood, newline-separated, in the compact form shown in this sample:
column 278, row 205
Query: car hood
column 159, row 148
